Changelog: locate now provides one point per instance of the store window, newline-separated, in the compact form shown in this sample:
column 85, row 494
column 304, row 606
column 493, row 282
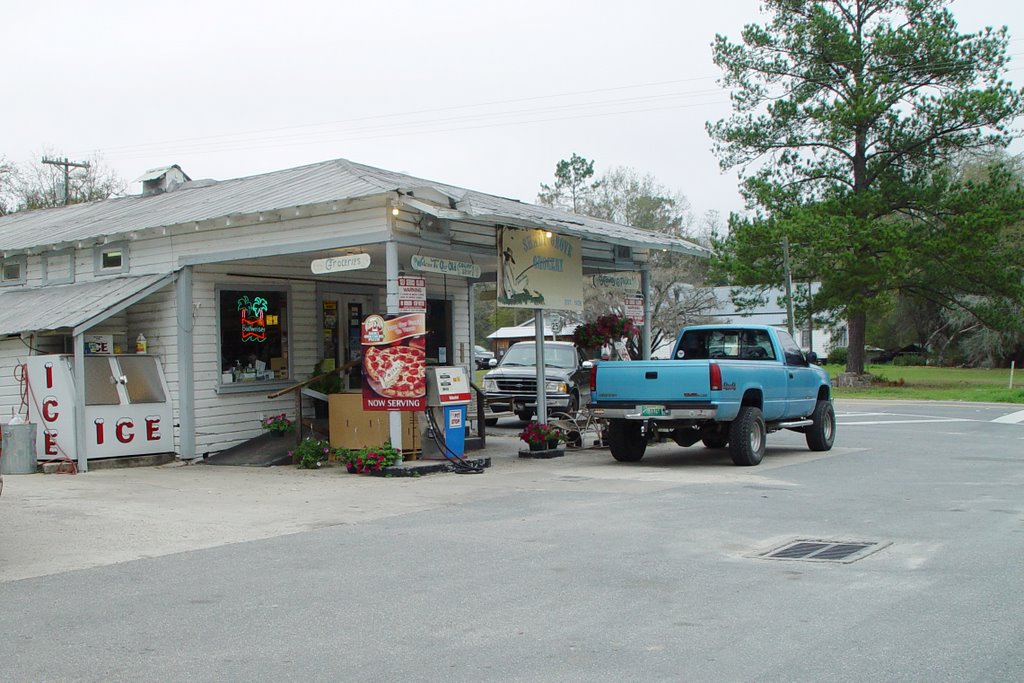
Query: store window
column 253, row 325
column 111, row 259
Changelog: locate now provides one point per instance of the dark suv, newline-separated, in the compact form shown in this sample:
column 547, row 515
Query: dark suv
column 511, row 387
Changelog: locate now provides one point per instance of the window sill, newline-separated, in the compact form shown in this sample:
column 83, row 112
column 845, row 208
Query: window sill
column 263, row 386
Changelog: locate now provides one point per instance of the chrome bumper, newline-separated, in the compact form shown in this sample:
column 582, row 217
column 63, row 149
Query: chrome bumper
column 667, row 413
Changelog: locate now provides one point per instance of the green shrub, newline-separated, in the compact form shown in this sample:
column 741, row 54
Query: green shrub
column 311, row 452
column 837, row 356
column 910, row 359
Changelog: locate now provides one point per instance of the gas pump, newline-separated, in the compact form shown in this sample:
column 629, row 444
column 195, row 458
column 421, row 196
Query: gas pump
column 448, row 394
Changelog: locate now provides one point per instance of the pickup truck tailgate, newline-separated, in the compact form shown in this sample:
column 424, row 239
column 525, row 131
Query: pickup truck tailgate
column 652, row 381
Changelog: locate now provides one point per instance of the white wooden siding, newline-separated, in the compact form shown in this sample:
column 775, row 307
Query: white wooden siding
column 12, row 352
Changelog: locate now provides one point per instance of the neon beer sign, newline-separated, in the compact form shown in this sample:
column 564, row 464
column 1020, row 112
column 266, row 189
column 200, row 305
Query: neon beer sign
column 254, row 318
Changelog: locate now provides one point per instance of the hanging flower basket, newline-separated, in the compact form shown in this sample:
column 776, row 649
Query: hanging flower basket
column 604, row 331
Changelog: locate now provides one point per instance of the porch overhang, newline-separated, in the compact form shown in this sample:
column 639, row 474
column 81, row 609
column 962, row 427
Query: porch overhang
column 78, row 306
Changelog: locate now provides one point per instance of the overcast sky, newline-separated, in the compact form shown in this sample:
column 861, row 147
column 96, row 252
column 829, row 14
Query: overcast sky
column 479, row 94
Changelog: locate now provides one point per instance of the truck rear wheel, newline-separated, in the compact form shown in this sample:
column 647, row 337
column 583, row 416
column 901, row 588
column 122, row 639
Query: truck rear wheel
column 822, row 434
column 626, row 440
column 746, row 437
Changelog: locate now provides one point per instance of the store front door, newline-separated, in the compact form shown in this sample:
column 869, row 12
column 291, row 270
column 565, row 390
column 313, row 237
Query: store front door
column 340, row 317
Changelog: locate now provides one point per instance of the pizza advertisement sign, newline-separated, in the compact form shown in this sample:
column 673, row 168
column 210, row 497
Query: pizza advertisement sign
column 394, row 362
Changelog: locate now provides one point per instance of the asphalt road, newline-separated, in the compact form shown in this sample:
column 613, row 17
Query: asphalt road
column 573, row 569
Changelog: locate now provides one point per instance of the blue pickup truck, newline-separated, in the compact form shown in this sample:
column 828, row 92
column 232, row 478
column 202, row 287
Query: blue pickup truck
column 725, row 385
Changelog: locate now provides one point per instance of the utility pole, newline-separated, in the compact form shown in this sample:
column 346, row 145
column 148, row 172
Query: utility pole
column 789, row 287
column 67, row 172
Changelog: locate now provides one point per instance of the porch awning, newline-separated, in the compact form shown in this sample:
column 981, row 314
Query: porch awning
column 78, row 306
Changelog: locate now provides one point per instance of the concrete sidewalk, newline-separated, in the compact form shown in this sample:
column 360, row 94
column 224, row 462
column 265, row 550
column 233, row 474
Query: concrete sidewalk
column 52, row 523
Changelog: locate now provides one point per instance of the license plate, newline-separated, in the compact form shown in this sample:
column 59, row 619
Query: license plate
column 653, row 411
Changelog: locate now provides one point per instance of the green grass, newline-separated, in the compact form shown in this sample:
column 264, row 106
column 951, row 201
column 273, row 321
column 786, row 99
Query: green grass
column 936, row 384
column 925, row 383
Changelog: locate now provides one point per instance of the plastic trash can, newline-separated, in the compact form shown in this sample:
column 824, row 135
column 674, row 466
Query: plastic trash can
column 18, row 449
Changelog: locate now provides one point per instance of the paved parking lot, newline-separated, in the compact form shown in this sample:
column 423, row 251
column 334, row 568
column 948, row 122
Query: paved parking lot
column 578, row 568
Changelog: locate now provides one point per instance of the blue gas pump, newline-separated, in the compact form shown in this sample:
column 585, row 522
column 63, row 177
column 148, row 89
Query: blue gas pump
column 448, row 392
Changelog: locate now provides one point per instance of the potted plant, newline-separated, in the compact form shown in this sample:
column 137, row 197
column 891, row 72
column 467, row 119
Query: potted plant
column 541, row 437
column 278, row 425
column 369, row 460
column 310, row 453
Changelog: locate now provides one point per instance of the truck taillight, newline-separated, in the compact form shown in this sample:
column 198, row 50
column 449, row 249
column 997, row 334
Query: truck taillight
column 715, row 371
column 593, row 378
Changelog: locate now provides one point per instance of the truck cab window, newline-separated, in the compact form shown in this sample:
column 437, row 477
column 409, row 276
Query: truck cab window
column 794, row 356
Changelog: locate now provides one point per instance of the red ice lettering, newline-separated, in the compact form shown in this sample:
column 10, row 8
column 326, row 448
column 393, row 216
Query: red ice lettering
column 152, row 428
column 123, row 435
column 50, row 441
column 49, row 411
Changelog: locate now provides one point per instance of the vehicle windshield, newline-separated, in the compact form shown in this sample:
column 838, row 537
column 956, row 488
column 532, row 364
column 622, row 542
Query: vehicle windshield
column 554, row 356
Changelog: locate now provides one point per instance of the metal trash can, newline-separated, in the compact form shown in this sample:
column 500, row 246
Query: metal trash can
column 18, row 449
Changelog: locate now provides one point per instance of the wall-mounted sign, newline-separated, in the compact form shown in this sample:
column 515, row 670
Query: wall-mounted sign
column 634, row 306
column 336, row 264
column 99, row 343
column 627, row 281
column 444, row 266
column 539, row 269
column 412, row 295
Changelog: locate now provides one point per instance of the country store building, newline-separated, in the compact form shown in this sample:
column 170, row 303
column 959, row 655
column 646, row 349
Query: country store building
column 174, row 269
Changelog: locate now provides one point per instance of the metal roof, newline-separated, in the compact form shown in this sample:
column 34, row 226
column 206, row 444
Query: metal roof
column 39, row 309
column 328, row 181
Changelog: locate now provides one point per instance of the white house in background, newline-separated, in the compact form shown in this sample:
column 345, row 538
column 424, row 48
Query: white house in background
column 504, row 337
column 818, row 339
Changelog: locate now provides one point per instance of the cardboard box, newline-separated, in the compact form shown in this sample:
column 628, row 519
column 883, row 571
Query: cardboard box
column 349, row 426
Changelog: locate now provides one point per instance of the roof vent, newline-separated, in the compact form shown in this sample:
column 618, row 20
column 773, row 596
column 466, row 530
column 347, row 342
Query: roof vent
column 163, row 179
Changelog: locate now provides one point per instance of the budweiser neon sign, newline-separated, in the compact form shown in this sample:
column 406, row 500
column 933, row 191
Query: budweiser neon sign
column 254, row 318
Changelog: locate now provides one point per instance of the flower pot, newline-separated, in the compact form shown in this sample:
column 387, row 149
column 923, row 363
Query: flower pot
column 537, row 446
column 552, row 444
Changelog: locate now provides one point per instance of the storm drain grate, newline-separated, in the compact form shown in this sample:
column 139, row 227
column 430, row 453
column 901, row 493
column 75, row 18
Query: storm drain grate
column 823, row 551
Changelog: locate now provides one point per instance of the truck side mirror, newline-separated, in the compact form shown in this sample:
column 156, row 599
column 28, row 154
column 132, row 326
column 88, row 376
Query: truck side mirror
column 492, row 363
column 587, row 365
column 812, row 358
